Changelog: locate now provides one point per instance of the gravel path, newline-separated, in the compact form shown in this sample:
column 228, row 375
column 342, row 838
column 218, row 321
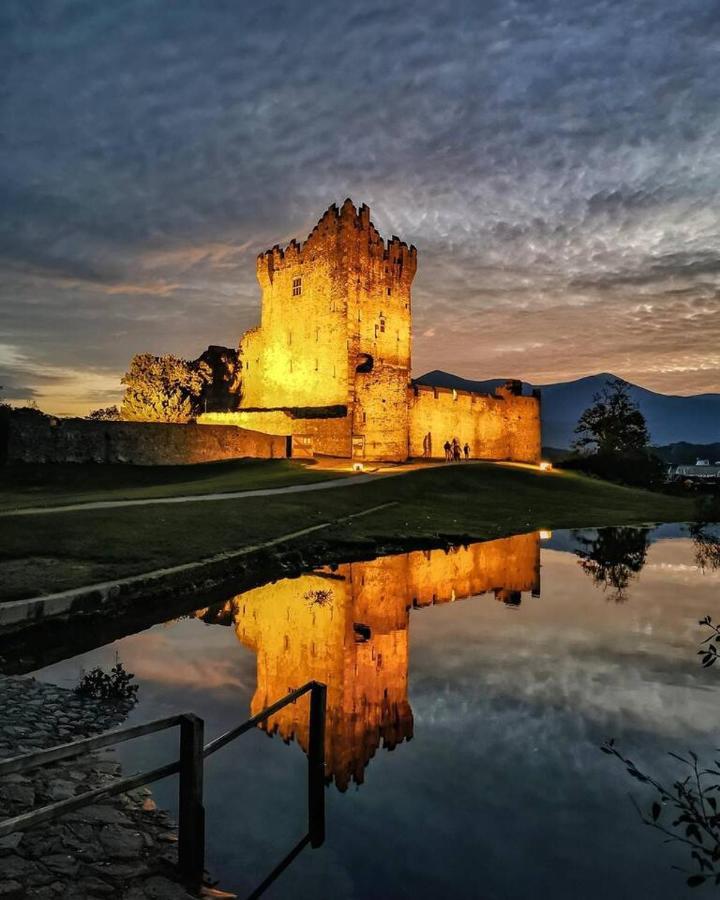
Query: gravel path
column 194, row 498
column 346, row 481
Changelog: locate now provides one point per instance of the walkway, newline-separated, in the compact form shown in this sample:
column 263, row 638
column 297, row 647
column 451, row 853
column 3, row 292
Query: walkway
column 346, row 481
column 47, row 606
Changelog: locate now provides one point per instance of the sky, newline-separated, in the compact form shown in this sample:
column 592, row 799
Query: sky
column 556, row 163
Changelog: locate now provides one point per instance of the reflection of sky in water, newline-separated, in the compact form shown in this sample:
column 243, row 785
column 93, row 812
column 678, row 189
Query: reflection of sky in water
column 502, row 791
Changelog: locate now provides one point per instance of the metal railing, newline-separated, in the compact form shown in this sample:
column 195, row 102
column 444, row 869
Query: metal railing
column 191, row 812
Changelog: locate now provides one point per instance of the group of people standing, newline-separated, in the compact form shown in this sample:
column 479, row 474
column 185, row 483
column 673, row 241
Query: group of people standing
column 454, row 452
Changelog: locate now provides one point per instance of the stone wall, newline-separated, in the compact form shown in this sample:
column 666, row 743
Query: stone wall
column 381, row 414
column 335, row 329
column 40, row 439
column 330, row 436
column 120, row 846
column 502, row 426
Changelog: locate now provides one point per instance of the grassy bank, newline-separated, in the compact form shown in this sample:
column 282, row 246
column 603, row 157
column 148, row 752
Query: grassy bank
column 47, row 553
column 57, row 484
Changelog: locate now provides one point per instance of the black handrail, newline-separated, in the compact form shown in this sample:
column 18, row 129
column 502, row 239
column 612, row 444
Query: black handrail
column 191, row 818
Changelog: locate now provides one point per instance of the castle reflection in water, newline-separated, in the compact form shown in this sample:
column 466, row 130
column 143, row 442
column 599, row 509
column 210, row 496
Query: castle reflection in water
column 347, row 626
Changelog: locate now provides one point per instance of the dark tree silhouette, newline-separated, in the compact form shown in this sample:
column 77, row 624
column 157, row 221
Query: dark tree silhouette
column 707, row 548
column 613, row 424
column 614, row 558
column 105, row 414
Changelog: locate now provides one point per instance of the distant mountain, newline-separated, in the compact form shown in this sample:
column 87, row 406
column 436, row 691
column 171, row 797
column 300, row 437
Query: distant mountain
column 684, row 454
column 670, row 418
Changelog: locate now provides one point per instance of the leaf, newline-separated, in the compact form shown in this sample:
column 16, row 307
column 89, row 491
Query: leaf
column 656, row 810
column 696, row 880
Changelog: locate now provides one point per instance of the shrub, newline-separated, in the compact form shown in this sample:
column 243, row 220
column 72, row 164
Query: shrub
column 105, row 414
column 113, row 685
column 639, row 468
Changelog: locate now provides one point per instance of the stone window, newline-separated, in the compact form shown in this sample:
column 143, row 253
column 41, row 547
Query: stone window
column 316, row 365
column 382, row 324
column 289, row 338
column 297, row 287
column 389, row 291
column 317, row 334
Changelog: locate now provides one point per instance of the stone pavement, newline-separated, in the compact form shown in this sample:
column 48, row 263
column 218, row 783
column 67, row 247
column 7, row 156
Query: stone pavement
column 119, row 847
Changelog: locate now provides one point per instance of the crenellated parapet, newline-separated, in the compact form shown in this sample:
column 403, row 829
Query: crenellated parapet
column 339, row 226
column 335, row 332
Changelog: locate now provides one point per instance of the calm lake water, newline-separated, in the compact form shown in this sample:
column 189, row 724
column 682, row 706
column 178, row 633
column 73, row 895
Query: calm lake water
column 468, row 694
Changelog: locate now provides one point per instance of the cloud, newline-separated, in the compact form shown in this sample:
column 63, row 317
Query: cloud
column 65, row 390
column 557, row 165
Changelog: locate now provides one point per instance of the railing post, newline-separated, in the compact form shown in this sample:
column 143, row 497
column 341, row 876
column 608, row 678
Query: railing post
column 191, row 825
column 316, row 765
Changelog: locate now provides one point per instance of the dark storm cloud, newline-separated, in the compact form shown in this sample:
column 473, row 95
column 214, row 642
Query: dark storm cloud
column 556, row 163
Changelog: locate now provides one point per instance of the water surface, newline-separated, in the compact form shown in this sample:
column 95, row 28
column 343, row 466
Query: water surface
column 468, row 694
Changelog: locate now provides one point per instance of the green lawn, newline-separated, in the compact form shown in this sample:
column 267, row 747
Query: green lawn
column 46, row 553
column 57, row 484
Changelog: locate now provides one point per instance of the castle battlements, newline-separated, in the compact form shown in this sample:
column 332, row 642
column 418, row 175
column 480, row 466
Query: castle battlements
column 346, row 223
column 335, row 334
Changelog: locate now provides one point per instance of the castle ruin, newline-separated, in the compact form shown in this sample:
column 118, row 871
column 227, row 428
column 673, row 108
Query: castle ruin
column 329, row 364
column 348, row 627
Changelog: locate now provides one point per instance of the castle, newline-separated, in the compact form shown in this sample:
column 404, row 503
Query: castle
column 329, row 364
column 348, row 627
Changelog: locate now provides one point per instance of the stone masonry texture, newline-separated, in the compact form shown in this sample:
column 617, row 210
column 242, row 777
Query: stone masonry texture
column 335, row 330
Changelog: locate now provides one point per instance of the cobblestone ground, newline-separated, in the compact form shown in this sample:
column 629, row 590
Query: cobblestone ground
column 119, row 847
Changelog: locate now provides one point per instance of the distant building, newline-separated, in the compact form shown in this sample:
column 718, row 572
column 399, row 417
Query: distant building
column 330, row 362
column 701, row 471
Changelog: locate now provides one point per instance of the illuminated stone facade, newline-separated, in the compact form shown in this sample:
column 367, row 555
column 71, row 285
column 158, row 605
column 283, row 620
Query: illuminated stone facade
column 348, row 628
column 331, row 358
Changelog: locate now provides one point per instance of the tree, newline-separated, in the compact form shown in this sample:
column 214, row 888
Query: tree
column 613, row 424
column 105, row 414
column 614, row 558
column 163, row 388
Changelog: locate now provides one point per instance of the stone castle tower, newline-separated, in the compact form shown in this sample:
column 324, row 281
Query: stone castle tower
column 330, row 364
column 335, row 333
column 356, row 639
